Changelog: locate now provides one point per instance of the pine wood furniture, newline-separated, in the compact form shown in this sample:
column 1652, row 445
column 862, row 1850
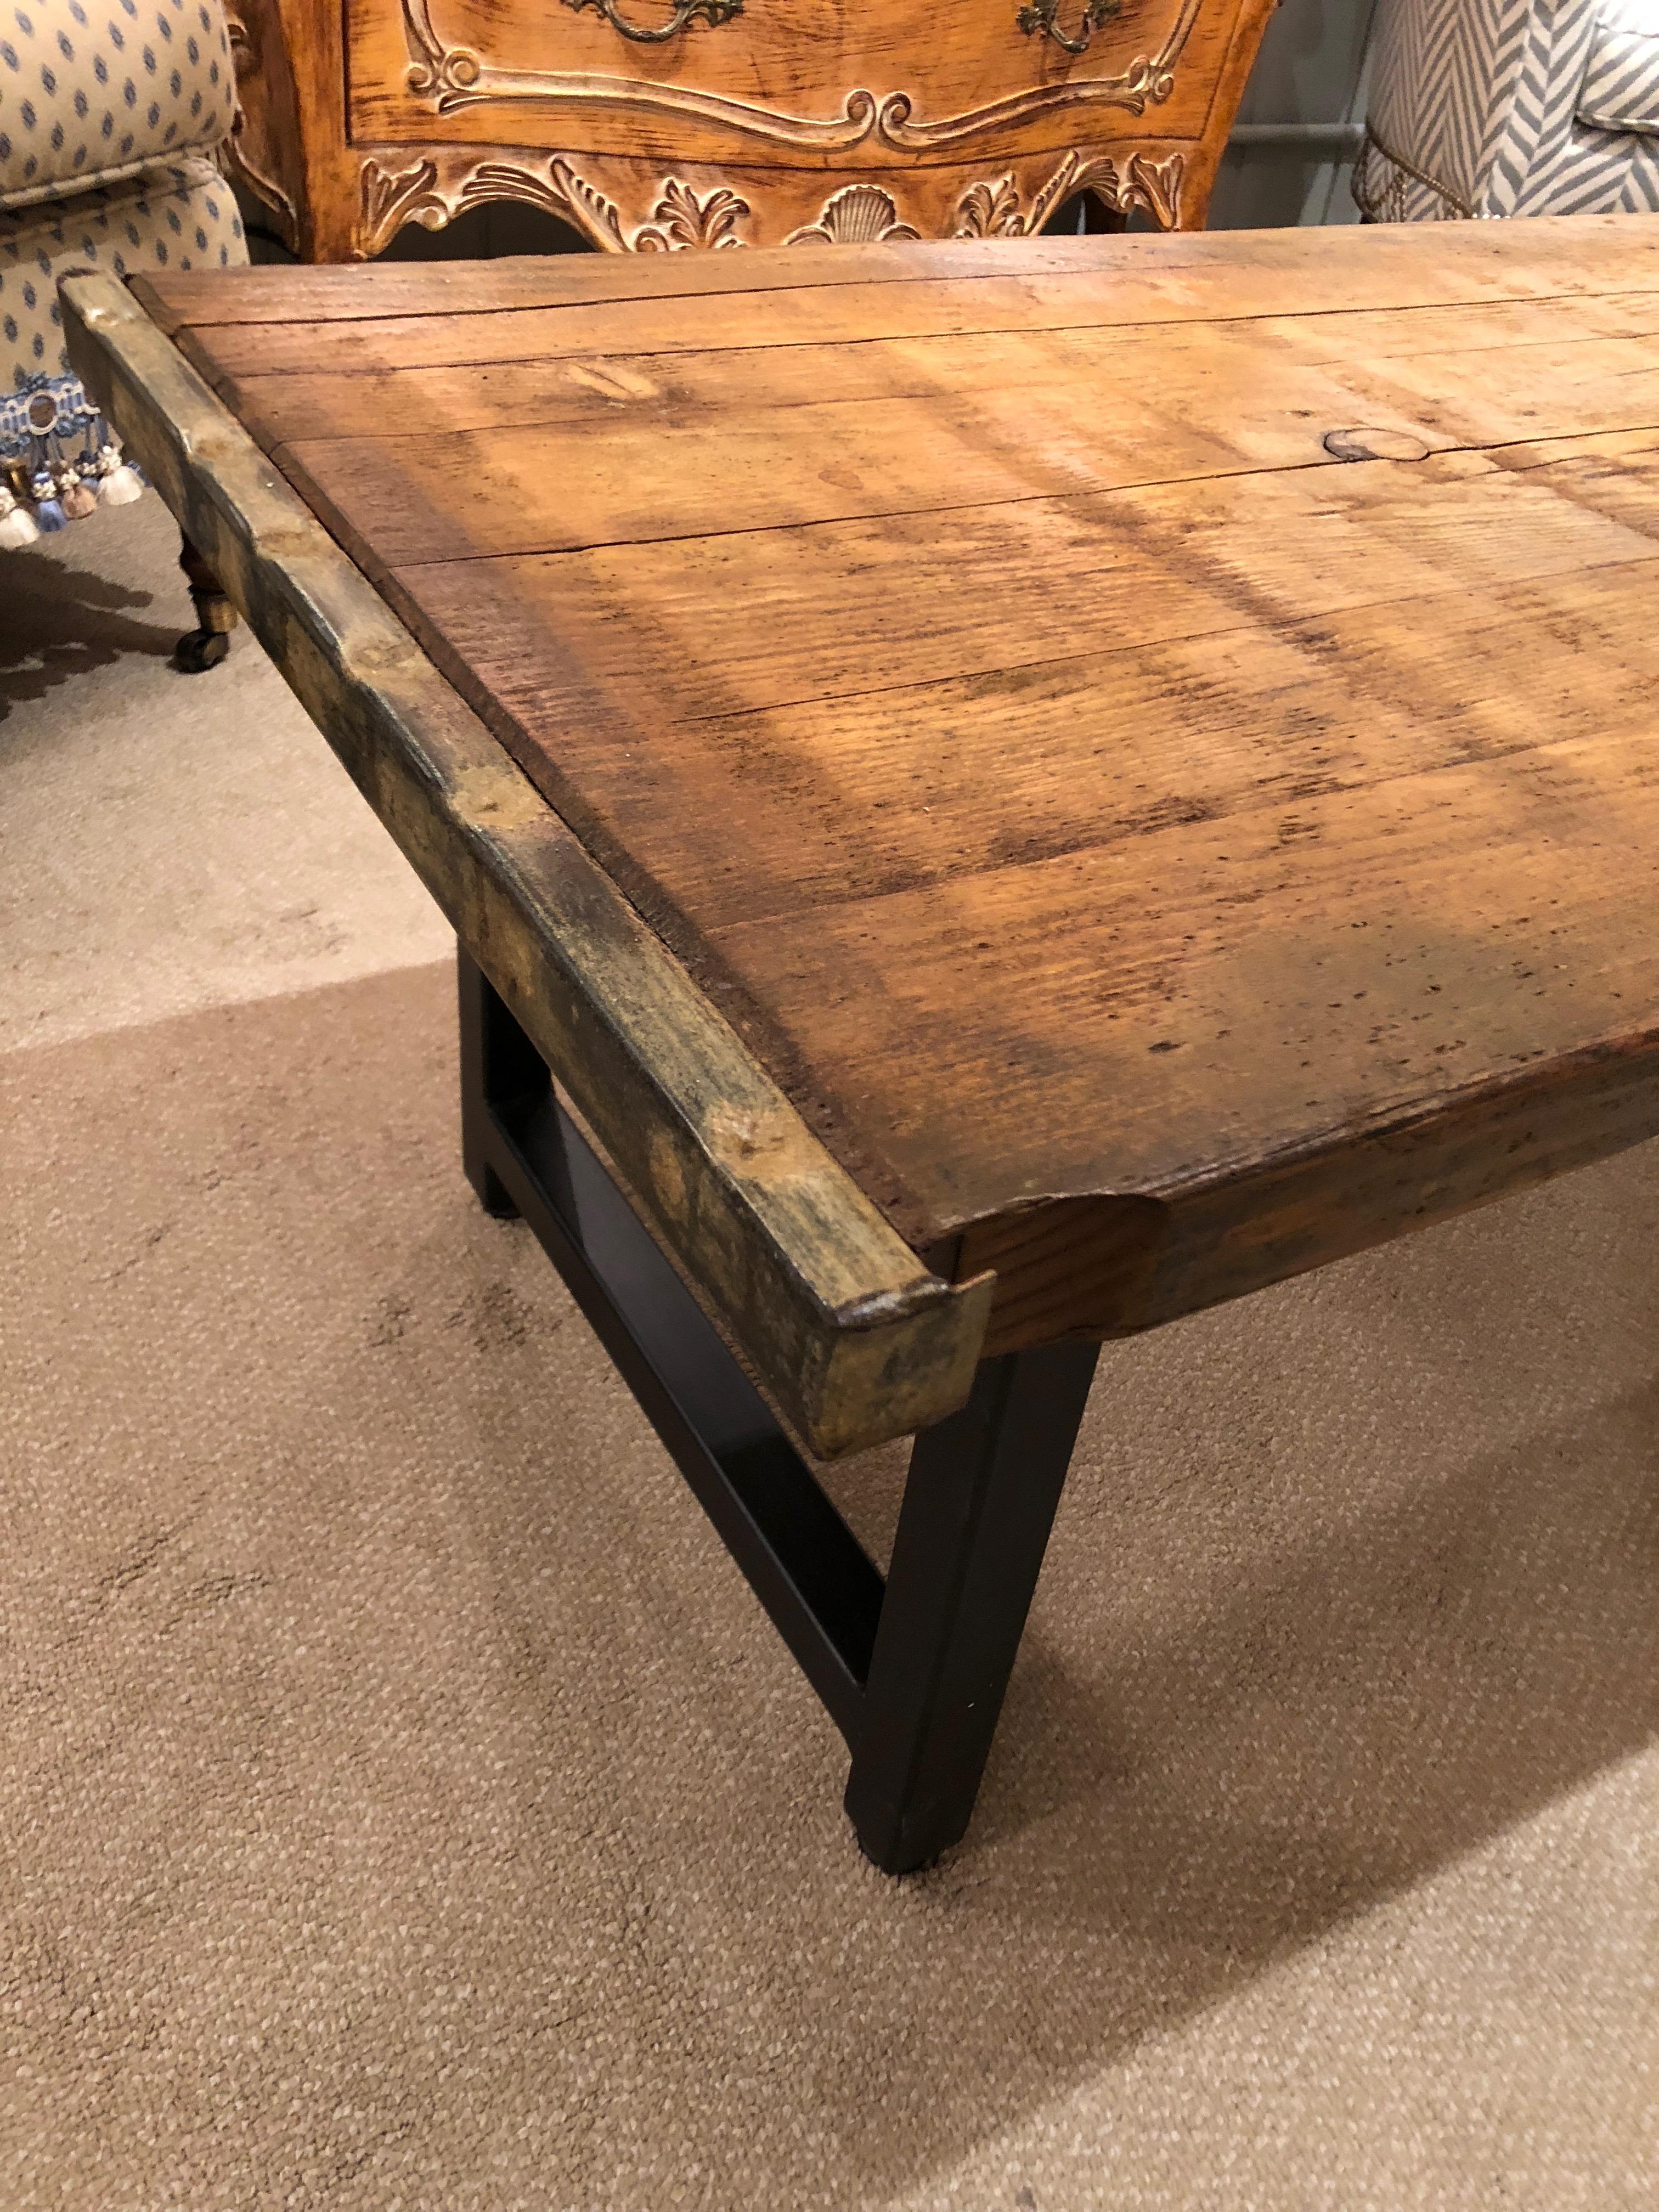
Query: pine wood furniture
column 1020, row 790
column 653, row 125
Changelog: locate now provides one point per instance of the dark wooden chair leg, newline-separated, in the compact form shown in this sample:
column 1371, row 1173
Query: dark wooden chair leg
column 206, row 647
column 978, row 1507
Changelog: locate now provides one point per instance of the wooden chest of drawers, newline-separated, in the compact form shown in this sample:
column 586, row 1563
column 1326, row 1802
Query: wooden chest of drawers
column 652, row 125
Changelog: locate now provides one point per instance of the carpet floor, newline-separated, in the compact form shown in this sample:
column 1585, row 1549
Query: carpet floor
column 406, row 1804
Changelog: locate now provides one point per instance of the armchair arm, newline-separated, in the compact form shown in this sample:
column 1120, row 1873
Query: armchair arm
column 1620, row 91
column 1466, row 96
column 89, row 96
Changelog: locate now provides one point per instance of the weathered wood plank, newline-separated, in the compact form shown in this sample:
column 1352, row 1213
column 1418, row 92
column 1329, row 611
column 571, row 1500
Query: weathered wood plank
column 399, row 501
column 281, row 406
column 823, row 801
column 1190, row 274
column 806, row 315
column 1249, row 1045
column 975, row 427
column 854, row 1337
column 602, row 642
column 766, row 819
column 321, row 295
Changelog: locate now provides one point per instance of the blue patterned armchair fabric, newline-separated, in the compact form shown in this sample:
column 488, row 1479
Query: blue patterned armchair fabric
column 108, row 110
column 1500, row 108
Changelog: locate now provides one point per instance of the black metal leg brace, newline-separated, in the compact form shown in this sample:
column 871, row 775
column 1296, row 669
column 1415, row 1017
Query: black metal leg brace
column 912, row 1672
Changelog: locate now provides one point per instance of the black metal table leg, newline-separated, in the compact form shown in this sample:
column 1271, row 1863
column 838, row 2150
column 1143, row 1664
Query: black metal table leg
column 979, row 1503
column 913, row 1672
column 500, row 1069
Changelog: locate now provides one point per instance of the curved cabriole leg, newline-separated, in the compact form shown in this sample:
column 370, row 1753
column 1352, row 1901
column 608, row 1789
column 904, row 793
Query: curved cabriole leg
column 207, row 647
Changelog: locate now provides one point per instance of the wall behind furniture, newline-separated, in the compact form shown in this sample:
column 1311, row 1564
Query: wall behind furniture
column 1292, row 154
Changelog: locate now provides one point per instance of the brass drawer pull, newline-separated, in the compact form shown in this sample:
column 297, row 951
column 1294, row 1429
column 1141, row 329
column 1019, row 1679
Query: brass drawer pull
column 711, row 12
column 1039, row 16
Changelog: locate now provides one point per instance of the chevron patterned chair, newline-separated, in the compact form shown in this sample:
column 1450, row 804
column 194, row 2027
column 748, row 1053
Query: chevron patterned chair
column 1497, row 107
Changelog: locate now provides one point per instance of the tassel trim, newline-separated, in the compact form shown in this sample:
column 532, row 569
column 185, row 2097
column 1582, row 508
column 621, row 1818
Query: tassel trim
column 59, row 460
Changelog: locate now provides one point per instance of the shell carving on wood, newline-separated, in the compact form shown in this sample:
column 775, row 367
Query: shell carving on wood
column 860, row 214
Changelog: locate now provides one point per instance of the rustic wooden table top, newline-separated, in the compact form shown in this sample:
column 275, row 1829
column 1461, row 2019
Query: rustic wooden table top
column 1149, row 741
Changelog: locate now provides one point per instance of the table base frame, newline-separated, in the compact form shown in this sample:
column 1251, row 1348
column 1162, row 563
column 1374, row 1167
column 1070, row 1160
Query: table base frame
column 912, row 1668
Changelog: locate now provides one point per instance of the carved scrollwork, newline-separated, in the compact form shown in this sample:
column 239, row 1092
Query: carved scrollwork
column 711, row 12
column 996, row 209
column 455, row 77
column 1154, row 185
column 860, row 214
column 392, row 197
column 435, row 70
column 683, row 218
column 1149, row 78
column 1042, row 17
column 988, row 210
column 680, row 219
column 571, row 197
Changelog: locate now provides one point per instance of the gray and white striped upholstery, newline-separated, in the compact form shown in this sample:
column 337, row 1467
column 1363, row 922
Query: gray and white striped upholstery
column 1499, row 107
column 1620, row 91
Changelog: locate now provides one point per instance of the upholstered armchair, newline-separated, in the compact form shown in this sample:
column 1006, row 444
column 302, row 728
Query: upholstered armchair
column 1498, row 108
column 108, row 112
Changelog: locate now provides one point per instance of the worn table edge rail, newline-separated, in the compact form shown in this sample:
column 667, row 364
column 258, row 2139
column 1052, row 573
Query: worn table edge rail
column 852, row 1335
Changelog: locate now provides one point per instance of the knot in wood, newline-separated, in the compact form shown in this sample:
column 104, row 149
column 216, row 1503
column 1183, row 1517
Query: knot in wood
column 763, row 1143
column 1362, row 444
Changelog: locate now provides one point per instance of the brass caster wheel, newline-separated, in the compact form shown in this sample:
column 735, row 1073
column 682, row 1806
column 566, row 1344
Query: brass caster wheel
column 200, row 649
column 207, row 647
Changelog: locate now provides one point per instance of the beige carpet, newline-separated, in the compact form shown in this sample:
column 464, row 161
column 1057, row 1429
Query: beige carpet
column 404, row 1803
column 166, row 840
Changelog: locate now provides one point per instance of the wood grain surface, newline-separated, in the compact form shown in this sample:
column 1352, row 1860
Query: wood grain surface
column 1151, row 741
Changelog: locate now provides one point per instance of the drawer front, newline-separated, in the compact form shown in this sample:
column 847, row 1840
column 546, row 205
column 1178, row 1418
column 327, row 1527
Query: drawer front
column 785, row 81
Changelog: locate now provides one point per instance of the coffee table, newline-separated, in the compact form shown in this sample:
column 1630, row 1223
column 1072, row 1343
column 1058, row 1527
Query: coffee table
column 992, row 796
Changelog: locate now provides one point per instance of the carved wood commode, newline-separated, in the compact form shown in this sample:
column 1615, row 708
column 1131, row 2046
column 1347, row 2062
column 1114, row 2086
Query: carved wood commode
column 651, row 125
